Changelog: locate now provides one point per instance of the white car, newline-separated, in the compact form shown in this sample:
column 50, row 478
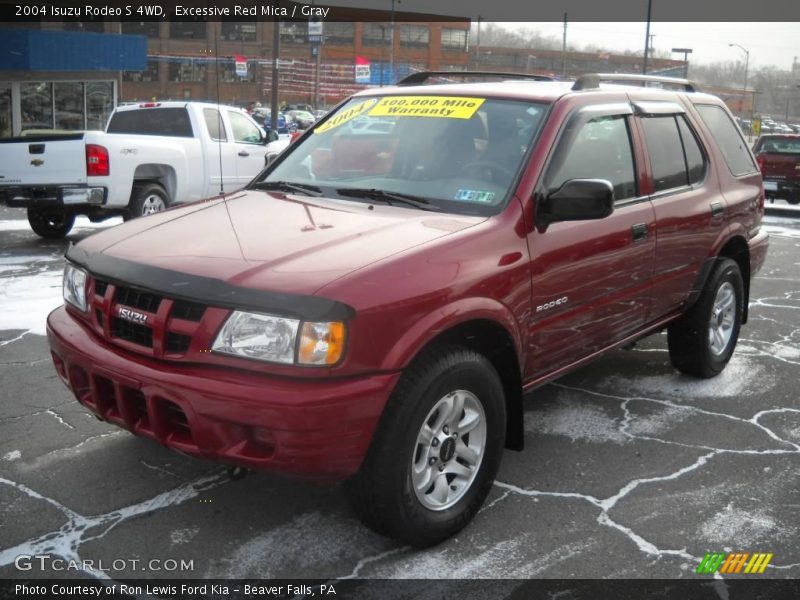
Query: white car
column 152, row 155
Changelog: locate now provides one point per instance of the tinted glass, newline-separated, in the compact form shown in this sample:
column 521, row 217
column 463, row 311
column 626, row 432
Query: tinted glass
column 695, row 160
column 216, row 130
column 99, row 103
column 666, row 152
column 152, row 121
column 728, row 138
column 600, row 149
column 69, row 105
column 36, row 104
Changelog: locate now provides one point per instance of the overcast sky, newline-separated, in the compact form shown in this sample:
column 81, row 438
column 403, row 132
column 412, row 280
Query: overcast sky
column 769, row 43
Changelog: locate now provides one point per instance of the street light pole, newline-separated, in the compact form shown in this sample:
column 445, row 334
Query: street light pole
column 746, row 64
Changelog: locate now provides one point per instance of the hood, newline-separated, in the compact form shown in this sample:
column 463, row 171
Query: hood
column 274, row 241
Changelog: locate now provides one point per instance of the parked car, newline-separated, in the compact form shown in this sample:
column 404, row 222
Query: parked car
column 304, row 119
column 152, row 155
column 778, row 157
column 371, row 308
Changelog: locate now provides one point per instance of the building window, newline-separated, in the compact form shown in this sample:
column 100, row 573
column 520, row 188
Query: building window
column 147, row 28
column 187, row 70
column 244, row 32
column 228, row 73
column 455, row 40
column 68, row 103
column 376, row 34
column 414, row 36
column 293, row 33
column 5, row 110
column 36, row 105
column 149, row 74
column 99, row 103
column 187, row 30
column 339, row 34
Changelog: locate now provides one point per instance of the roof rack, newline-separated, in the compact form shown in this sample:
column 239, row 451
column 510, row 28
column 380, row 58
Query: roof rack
column 423, row 76
column 592, row 80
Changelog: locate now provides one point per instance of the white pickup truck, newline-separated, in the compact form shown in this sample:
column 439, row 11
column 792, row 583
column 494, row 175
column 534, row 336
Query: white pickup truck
column 151, row 155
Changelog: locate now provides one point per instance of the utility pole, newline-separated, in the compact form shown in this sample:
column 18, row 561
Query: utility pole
column 647, row 37
column 391, row 46
column 478, row 45
column 276, row 51
column 564, row 50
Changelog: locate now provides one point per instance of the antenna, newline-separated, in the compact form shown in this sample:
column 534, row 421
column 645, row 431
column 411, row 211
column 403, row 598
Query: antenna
column 220, row 122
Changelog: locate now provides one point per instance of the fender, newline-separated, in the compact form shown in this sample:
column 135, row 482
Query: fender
column 447, row 317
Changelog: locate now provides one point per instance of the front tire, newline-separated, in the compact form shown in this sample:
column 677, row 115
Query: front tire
column 50, row 223
column 146, row 200
column 702, row 341
column 436, row 450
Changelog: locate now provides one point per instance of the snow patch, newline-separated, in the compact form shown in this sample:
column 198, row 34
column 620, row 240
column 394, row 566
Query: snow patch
column 183, row 536
column 741, row 377
column 742, row 527
column 654, row 424
column 12, row 456
column 81, row 222
column 577, row 421
column 27, row 301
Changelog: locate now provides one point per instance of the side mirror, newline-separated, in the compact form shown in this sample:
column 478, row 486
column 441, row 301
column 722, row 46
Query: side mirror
column 577, row 200
column 272, row 136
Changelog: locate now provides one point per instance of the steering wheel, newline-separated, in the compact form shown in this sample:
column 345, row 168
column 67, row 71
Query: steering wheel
column 493, row 167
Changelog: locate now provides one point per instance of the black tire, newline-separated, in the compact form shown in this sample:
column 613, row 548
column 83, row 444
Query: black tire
column 793, row 199
column 147, row 199
column 382, row 492
column 51, row 223
column 694, row 347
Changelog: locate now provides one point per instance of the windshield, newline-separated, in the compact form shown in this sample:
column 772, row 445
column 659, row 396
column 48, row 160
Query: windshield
column 454, row 154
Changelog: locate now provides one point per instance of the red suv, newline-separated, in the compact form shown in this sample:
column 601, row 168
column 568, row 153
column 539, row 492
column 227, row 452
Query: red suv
column 778, row 156
column 372, row 307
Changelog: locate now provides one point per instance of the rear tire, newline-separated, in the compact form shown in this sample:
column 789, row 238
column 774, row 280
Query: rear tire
column 702, row 341
column 147, row 199
column 50, row 223
column 436, row 451
column 793, row 199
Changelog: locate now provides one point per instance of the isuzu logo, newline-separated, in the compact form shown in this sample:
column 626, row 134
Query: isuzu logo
column 131, row 315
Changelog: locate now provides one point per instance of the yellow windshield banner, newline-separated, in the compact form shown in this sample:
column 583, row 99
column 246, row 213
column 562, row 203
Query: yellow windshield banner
column 346, row 115
column 449, row 107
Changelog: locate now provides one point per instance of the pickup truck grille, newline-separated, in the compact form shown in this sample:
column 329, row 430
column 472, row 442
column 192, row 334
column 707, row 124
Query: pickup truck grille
column 143, row 321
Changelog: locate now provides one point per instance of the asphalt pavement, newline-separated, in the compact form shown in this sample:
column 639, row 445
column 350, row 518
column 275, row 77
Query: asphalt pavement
column 630, row 470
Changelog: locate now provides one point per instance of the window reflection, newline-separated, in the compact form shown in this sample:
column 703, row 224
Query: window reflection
column 69, row 105
column 36, row 105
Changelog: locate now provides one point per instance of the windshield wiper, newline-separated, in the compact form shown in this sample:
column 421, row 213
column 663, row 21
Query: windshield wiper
column 288, row 186
column 387, row 197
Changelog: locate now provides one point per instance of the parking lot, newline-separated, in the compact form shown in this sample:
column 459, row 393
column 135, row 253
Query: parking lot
column 630, row 469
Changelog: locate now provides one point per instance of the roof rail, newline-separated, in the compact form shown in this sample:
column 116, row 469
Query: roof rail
column 592, row 80
column 423, row 76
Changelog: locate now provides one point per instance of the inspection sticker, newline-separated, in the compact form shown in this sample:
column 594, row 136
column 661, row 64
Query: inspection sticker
column 346, row 115
column 450, row 107
column 475, row 196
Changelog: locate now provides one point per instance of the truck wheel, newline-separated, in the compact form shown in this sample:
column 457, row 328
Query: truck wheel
column 146, row 200
column 436, row 450
column 793, row 199
column 50, row 223
column 702, row 341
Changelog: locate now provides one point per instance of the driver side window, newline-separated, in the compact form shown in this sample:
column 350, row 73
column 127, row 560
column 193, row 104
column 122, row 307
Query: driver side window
column 599, row 149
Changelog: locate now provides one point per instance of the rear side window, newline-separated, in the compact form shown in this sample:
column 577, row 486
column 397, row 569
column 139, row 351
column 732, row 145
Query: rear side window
column 216, row 129
column 666, row 152
column 728, row 137
column 601, row 149
column 152, row 121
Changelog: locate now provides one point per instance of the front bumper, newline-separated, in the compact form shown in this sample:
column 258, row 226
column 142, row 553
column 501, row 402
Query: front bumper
column 318, row 429
column 53, row 196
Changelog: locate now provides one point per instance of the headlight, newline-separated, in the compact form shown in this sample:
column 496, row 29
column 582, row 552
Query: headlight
column 274, row 339
column 74, row 287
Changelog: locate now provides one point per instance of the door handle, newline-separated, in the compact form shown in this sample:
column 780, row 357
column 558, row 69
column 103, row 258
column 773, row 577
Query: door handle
column 639, row 231
column 717, row 209
column 244, row 153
